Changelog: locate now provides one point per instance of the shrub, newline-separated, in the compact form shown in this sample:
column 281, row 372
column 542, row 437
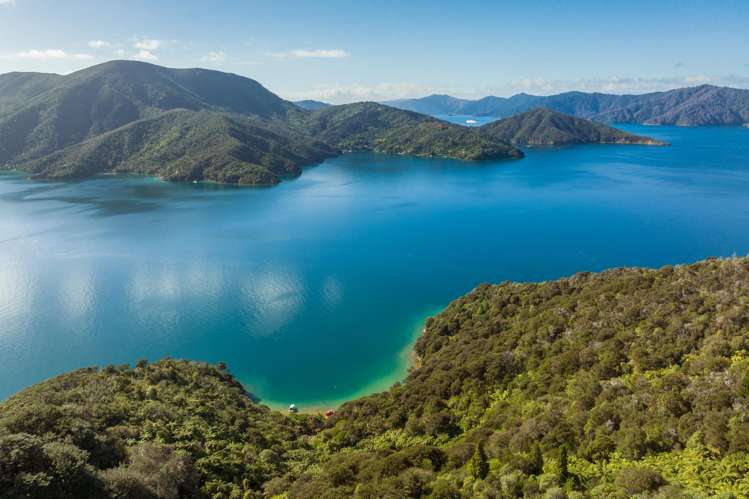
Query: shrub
column 636, row 480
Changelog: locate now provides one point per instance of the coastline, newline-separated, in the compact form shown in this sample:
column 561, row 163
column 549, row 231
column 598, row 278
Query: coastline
column 408, row 360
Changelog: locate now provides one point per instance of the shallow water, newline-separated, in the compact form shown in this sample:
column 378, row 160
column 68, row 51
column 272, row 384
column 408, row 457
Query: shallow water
column 313, row 291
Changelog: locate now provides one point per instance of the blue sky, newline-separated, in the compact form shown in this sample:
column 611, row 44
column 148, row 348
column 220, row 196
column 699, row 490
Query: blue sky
column 343, row 51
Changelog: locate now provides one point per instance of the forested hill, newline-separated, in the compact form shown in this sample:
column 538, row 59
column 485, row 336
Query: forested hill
column 311, row 105
column 204, row 125
column 691, row 106
column 368, row 126
column 543, row 127
column 196, row 124
column 630, row 382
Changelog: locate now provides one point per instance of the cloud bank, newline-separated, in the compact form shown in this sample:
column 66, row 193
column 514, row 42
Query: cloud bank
column 148, row 44
column 146, row 55
column 99, row 44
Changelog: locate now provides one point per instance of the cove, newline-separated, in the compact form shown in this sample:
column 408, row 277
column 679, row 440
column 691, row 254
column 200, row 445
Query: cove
column 313, row 291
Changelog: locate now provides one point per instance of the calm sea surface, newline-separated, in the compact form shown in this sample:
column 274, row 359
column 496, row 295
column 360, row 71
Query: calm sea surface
column 313, row 291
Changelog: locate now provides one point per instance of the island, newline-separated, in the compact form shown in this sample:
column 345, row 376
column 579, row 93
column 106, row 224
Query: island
column 202, row 125
column 629, row 382
column 544, row 127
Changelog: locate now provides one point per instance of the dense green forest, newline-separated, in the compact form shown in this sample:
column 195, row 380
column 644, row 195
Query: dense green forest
column 626, row 383
column 368, row 126
column 543, row 127
column 189, row 145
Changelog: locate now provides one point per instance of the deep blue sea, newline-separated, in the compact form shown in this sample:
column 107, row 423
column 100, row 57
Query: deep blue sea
column 313, row 291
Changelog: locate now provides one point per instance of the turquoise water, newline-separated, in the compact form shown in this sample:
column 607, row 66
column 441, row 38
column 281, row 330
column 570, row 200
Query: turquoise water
column 313, row 291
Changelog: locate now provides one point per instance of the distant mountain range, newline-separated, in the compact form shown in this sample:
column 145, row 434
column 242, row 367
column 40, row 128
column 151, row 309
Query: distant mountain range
column 311, row 105
column 693, row 106
column 202, row 125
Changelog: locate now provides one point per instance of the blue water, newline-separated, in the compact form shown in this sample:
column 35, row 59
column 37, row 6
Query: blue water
column 466, row 120
column 313, row 291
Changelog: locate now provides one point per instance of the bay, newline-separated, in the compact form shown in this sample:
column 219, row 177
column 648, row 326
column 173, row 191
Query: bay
column 313, row 291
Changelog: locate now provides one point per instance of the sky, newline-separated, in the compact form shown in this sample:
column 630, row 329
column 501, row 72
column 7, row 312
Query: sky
column 351, row 50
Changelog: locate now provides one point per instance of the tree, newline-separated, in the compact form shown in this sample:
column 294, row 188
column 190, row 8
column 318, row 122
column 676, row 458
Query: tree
column 537, row 460
column 478, row 466
column 564, row 472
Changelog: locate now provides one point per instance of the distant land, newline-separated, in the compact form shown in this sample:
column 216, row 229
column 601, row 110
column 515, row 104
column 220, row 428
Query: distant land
column 198, row 125
column 543, row 127
column 692, row 106
column 311, row 105
column 203, row 125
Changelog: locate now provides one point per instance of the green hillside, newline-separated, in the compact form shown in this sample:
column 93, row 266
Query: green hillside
column 16, row 88
column 543, row 127
column 374, row 127
column 626, row 383
column 123, row 116
column 189, row 146
column 311, row 105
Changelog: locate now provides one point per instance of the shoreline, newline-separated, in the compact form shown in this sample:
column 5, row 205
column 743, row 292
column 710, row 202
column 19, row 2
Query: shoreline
column 408, row 360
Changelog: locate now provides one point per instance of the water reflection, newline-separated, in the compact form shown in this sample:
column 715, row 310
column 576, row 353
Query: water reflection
column 332, row 291
column 17, row 292
column 77, row 294
column 272, row 299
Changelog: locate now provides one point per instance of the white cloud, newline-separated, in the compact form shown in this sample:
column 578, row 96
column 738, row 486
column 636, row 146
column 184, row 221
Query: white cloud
column 119, row 52
column 46, row 55
column 312, row 54
column 326, row 54
column 362, row 92
column 99, row 44
column 7, row 2
column 146, row 55
column 148, row 44
column 214, row 57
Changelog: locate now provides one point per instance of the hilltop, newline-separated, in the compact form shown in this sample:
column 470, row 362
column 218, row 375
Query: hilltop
column 629, row 382
column 311, row 105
